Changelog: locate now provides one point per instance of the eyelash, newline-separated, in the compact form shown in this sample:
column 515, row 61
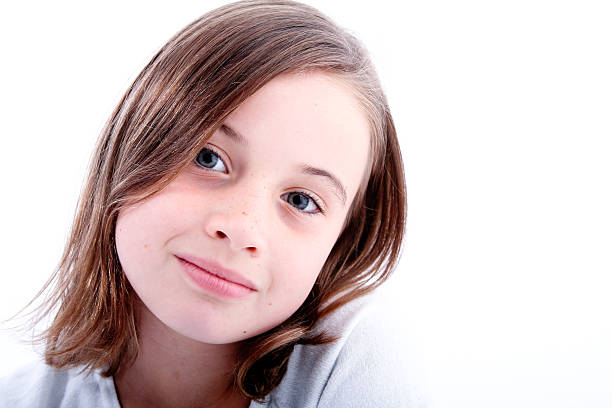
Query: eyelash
column 216, row 153
column 315, row 200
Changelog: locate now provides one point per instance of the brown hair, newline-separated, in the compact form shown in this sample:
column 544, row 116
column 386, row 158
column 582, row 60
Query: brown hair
column 178, row 100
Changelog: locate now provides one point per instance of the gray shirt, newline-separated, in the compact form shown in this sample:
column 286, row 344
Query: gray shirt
column 369, row 366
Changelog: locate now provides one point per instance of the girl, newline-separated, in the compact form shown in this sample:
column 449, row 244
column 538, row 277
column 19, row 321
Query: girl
column 245, row 196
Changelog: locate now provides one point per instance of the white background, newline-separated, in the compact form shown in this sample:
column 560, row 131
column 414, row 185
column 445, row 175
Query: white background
column 504, row 114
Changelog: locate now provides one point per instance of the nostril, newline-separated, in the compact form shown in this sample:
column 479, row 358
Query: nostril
column 251, row 249
column 221, row 234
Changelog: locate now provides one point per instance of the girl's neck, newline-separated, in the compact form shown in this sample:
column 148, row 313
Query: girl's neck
column 174, row 371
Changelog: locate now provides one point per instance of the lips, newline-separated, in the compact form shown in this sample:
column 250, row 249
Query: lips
column 218, row 270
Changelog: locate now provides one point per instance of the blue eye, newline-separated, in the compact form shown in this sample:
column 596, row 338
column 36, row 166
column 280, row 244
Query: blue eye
column 210, row 160
column 302, row 202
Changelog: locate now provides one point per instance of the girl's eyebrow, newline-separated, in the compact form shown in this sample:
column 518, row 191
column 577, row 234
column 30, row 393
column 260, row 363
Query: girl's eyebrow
column 232, row 134
column 306, row 169
column 338, row 187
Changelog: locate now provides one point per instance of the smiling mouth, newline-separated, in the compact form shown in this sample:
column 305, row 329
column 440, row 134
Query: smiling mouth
column 210, row 281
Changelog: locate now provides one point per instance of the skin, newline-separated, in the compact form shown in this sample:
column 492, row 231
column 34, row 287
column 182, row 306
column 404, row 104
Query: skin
column 249, row 213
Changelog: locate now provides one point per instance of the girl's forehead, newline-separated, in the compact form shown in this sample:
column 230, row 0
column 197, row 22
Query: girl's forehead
column 304, row 107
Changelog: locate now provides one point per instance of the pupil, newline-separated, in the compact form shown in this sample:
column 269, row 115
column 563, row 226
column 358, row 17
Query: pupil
column 299, row 201
column 208, row 158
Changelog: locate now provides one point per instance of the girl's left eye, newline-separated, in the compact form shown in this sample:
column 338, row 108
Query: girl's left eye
column 210, row 160
column 303, row 202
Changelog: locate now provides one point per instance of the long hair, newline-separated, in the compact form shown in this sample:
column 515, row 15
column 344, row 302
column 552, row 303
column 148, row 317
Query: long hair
column 165, row 117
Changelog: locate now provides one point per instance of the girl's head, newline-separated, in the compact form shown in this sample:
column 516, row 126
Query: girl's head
column 257, row 144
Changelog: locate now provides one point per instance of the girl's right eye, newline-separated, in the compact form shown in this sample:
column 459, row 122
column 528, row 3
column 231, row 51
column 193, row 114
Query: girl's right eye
column 208, row 159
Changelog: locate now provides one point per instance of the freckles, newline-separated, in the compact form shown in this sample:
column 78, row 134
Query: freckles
column 146, row 246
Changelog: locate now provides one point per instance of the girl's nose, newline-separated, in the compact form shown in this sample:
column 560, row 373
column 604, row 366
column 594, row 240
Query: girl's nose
column 238, row 226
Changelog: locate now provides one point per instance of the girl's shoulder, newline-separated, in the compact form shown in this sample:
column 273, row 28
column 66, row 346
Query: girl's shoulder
column 40, row 385
column 373, row 363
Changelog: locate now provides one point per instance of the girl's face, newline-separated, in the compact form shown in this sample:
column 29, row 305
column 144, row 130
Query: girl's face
column 260, row 207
